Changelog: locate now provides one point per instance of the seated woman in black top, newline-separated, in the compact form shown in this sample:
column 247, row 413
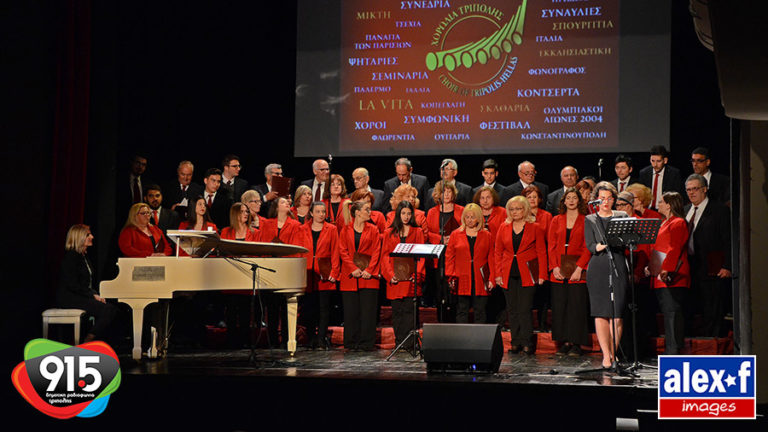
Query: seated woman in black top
column 77, row 283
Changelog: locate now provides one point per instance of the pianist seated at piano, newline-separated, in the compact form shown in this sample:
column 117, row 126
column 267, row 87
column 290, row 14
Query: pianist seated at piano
column 77, row 285
column 239, row 229
column 200, row 219
column 139, row 239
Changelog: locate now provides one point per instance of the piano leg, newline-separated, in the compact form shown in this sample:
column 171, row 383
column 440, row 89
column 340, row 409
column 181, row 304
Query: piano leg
column 137, row 306
column 293, row 302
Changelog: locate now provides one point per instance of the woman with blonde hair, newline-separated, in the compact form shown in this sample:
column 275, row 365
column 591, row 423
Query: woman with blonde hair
column 77, row 284
column 252, row 199
column 469, row 261
column 521, row 263
column 139, row 238
column 642, row 201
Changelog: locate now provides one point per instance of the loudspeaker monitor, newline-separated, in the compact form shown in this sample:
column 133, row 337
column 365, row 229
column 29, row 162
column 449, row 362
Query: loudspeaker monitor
column 462, row 348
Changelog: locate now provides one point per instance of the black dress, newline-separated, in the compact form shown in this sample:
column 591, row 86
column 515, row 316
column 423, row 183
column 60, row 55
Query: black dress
column 76, row 291
column 600, row 269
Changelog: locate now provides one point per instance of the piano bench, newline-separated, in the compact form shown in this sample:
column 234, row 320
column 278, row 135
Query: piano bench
column 63, row 316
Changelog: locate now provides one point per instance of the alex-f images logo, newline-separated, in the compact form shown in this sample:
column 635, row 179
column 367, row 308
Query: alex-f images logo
column 707, row 387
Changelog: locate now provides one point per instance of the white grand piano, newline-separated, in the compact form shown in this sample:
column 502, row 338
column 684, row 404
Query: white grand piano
column 142, row 281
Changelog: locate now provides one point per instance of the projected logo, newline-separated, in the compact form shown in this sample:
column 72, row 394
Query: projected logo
column 63, row 381
column 473, row 48
column 700, row 387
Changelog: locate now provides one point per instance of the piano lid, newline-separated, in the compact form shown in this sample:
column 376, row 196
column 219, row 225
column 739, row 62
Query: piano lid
column 200, row 243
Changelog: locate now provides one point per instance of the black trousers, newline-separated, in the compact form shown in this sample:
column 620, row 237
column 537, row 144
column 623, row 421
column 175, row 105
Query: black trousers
column 104, row 314
column 277, row 318
column 671, row 302
column 360, row 318
column 323, row 313
column 477, row 303
column 402, row 317
column 519, row 303
column 709, row 292
column 570, row 313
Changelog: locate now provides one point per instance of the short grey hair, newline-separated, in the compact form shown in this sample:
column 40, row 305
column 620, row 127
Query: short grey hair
column 452, row 162
column 268, row 169
column 520, row 165
column 702, row 180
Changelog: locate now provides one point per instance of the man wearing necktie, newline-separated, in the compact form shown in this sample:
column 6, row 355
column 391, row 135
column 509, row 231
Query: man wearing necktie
column 709, row 249
column 231, row 182
column 321, row 170
column 623, row 167
column 161, row 217
column 661, row 177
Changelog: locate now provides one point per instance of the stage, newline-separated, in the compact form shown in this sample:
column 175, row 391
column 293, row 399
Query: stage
column 205, row 389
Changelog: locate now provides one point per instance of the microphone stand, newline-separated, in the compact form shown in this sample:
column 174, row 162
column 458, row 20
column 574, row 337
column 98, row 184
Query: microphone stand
column 255, row 291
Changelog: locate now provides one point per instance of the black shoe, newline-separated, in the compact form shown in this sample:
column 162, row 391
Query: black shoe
column 575, row 351
column 564, row 349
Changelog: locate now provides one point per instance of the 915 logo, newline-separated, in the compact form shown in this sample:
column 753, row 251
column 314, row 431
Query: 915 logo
column 63, row 381
column 703, row 387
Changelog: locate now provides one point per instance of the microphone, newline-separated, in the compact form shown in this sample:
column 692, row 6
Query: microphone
column 445, row 164
column 595, row 202
column 600, row 162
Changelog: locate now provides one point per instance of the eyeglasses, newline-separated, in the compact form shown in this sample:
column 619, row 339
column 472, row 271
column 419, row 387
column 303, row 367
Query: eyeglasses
column 694, row 189
column 145, row 213
column 236, row 166
column 515, row 209
column 255, row 201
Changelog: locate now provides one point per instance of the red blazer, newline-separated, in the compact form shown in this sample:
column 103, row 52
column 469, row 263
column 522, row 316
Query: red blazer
column 401, row 289
column 420, row 217
column 543, row 220
column 458, row 261
column 327, row 247
column 576, row 245
column 338, row 218
column 135, row 244
column 184, row 225
column 651, row 214
column 497, row 217
column 672, row 239
column 433, row 222
column 252, row 235
column 532, row 247
column 268, row 230
column 370, row 244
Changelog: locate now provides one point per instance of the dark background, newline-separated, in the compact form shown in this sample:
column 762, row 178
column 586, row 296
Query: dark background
column 181, row 80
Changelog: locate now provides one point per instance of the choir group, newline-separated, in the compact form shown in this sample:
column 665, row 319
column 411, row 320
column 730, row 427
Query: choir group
column 518, row 239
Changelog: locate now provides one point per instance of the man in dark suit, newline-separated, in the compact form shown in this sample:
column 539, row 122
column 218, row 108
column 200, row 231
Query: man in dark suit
column 527, row 173
column 361, row 178
column 569, row 176
column 709, row 251
column 448, row 171
column 661, row 177
column 404, row 175
column 319, row 183
column 265, row 189
column 161, row 217
column 218, row 203
column 718, row 185
column 623, row 167
column 490, row 173
column 231, row 183
column 130, row 190
column 182, row 190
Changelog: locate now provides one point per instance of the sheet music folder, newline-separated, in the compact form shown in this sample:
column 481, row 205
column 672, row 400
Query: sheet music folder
column 416, row 250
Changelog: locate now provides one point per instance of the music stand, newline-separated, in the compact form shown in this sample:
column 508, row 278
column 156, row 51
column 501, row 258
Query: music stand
column 416, row 252
column 630, row 232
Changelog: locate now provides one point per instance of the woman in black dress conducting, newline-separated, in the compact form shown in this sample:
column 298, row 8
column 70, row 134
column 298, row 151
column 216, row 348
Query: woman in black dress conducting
column 77, row 283
column 600, row 274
